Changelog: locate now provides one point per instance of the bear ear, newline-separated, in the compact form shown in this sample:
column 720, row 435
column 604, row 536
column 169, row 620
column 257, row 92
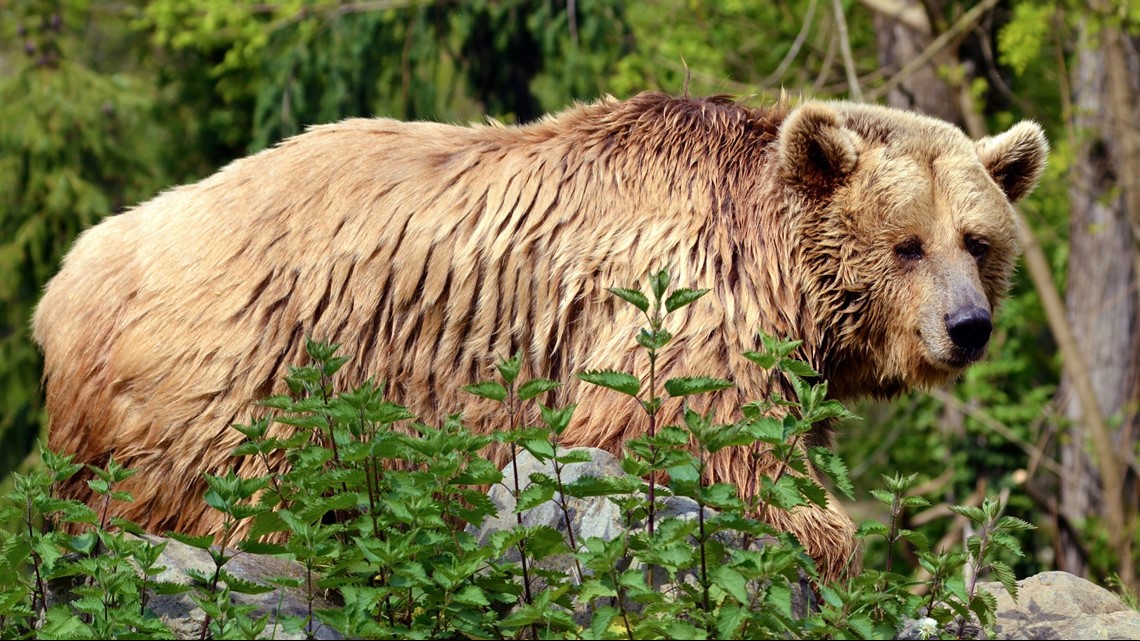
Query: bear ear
column 815, row 150
column 1016, row 158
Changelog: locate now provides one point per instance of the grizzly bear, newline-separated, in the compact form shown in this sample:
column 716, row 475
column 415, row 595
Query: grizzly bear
column 883, row 239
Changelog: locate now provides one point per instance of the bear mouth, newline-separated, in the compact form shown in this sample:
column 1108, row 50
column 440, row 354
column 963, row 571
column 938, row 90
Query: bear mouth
column 962, row 358
column 947, row 356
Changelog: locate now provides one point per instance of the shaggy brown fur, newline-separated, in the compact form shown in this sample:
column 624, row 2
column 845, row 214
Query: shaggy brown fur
column 430, row 249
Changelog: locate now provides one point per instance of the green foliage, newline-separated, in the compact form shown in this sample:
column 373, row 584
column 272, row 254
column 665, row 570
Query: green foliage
column 1022, row 38
column 318, row 61
column 376, row 506
column 108, row 577
column 75, row 145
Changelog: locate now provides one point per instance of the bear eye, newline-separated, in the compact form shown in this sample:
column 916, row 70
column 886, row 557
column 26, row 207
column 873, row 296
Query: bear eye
column 909, row 250
column 977, row 246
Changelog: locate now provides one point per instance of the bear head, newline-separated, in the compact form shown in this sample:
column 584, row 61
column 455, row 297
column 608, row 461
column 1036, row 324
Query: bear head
column 908, row 237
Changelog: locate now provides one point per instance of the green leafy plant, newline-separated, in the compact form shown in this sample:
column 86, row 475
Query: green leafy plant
column 383, row 509
column 652, row 339
column 93, row 584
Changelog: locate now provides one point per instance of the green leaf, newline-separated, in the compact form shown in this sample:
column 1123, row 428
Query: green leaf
column 618, row 381
column 654, row 340
column 899, row 483
column 726, row 436
column 732, row 582
column 540, row 449
column 202, row 542
column 912, row 502
column 766, row 361
column 825, row 409
column 60, row 623
column 587, row 486
column 472, row 595
column 1006, row 577
column 533, row 496
column 684, row 473
column 767, row 429
column 783, row 493
column 811, row 490
column 984, row 604
column 917, row 539
column 862, row 626
column 1007, row 541
column 975, row 514
column 729, row 618
column 537, row 386
column 883, row 496
column 574, row 456
column 831, row 466
column 871, row 527
column 509, row 368
column 557, row 419
column 780, row 597
column 721, row 496
column 799, row 368
column 243, row 586
column 258, row 547
column 479, row 472
column 543, row 541
column 780, row 348
column 686, row 386
column 604, row 622
column 660, row 283
column 488, row 389
column 681, row 297
column 680, row 629
column 1014, row 523
column 1021, row 39
column 631, row 296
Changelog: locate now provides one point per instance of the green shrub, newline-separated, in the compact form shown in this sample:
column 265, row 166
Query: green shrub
column 377, row 506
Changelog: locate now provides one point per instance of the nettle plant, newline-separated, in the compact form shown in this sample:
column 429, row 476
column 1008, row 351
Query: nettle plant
column 382, row 509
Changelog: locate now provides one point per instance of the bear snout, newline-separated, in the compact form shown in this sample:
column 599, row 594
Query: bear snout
column 969, row 328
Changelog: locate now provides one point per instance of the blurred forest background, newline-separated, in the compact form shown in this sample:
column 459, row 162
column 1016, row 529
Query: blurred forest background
column 105, row 103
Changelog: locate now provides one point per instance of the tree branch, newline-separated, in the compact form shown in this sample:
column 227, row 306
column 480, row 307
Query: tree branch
column 966, row 22
column 796, row 45
column 853, row 89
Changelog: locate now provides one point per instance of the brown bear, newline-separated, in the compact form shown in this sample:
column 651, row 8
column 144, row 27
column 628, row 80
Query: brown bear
column 881, row 238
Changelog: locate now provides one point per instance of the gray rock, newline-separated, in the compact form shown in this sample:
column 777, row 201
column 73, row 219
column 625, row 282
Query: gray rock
column 1058, row 605
column 595, row 516
column 591, row 517
column 184, row 617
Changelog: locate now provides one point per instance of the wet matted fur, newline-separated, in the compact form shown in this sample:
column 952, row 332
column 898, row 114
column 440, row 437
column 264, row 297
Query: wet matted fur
column 428, row 250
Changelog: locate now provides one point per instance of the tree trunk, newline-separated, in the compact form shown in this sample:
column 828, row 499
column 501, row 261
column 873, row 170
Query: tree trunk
column 1101, row 297
column 924, row 91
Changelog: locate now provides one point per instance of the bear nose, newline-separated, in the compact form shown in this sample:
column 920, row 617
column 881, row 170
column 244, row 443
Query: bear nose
column 969, row 328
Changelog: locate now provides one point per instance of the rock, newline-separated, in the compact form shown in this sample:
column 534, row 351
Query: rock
column 588, row 517
column 594, row 516
column 1058, row 605
column 184, row 617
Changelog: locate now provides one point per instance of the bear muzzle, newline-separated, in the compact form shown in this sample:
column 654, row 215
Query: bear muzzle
column 969, row 328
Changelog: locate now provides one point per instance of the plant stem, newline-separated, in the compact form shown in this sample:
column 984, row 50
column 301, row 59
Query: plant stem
column 974, row 575
column 621, row 604
column 701, row 528
column 41, row 590
column 512, row 410
column 655, row 323
column 565, row 505
column 892, row 536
